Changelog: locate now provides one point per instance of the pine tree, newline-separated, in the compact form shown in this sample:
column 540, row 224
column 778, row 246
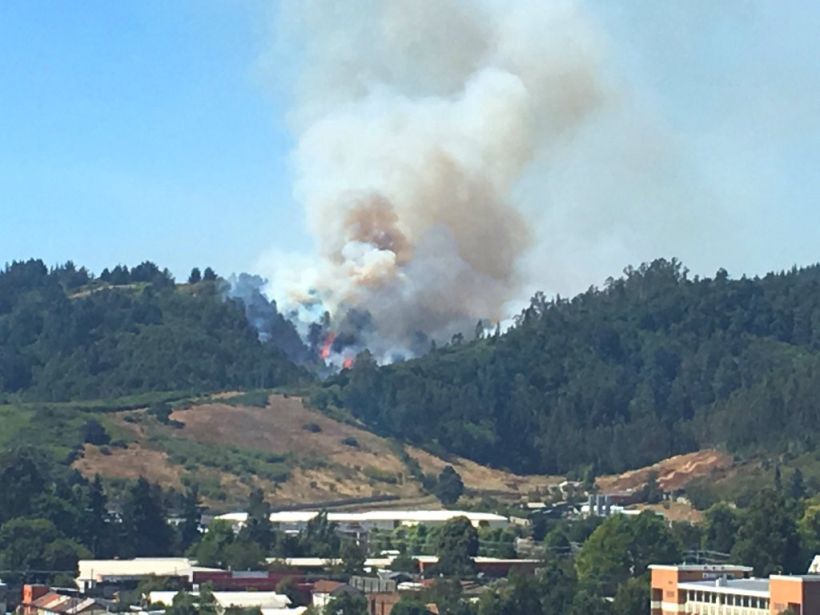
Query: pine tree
column 191, row 515
column 449, row 486
column 98, row 533
column 258, row 528
column 144, row 521
column 195, row 277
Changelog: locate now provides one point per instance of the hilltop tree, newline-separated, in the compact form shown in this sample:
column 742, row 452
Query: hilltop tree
column 195, row 277
column 209, row 275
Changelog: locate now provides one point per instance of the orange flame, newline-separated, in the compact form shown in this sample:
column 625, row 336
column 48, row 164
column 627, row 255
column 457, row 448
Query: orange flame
column 327, row 345
column 347, row 363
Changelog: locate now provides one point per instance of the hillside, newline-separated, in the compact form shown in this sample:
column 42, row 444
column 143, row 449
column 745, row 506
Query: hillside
column 66, row 335
column 653, row 365
column 229, row 444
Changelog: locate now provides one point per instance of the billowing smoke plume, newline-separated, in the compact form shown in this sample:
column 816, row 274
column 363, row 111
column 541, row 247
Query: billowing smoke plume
column 416, row 121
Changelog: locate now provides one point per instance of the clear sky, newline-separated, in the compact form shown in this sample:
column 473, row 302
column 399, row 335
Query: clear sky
column 150, row 129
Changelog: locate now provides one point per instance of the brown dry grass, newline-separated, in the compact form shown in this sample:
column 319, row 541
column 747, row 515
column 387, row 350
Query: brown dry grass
column 324, row 468
column 675, row 511
column 130, row 463
column 279, row 428
column 481, row 478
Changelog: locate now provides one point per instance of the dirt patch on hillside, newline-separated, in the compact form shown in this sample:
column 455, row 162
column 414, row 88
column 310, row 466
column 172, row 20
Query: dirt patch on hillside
column 674, row 511
column 130, row 463
column 674, row 473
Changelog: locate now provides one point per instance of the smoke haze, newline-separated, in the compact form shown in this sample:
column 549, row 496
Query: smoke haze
column 416, row 122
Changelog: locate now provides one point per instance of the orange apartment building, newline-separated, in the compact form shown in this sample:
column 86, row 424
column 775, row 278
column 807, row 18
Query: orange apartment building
column 730, row 590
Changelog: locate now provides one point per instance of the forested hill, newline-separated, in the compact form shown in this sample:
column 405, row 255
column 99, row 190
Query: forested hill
column 654, row 364
column 66, row 335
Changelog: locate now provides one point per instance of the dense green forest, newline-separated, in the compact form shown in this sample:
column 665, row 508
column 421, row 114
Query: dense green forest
column 65, row 334
column 654, row 364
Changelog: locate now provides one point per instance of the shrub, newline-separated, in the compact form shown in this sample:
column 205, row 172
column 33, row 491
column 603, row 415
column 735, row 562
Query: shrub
column 95, row 433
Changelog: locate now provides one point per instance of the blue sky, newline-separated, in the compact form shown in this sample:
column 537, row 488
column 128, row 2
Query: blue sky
column 148, row 129
column 134, row 130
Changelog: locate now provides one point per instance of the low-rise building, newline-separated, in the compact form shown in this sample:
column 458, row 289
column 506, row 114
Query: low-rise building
column 270, row 601
column 362, row 522
column 730, row 590
column 41, row 600
column 98, row 573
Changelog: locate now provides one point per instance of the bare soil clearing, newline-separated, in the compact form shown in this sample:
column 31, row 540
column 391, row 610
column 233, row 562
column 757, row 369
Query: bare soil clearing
column 673, row 473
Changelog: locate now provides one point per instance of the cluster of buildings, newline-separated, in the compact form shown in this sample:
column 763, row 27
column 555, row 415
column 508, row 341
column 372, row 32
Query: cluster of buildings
column 731, row 590
column 100, row 584
column 41, row 600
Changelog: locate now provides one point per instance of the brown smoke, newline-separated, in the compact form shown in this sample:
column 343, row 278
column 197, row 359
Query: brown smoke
column 416, row 122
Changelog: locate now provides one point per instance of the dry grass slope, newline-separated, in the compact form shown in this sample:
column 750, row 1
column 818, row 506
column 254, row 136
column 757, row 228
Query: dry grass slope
column 328, row 460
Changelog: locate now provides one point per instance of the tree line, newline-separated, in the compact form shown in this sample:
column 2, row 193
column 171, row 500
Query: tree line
column 67, row 335
column 653, row 364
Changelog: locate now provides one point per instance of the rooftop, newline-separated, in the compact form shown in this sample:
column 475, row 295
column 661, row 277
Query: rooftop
column 263, row 600
column 702, row 567
column 410, row 516
column 100, row 569
column 58, row 603
column 742, row 587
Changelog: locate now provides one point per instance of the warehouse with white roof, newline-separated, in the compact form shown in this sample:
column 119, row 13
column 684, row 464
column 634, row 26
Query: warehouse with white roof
column 296, row 521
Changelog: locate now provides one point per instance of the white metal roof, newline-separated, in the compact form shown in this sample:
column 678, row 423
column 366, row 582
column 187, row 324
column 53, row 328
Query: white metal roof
column 384, row 562
column 101, row 569
column 263, row 600
column 400, row 516
column 252, row 599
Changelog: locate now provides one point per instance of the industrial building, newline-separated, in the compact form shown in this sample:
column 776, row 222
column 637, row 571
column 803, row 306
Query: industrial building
column 730, row 590
column 353, row 522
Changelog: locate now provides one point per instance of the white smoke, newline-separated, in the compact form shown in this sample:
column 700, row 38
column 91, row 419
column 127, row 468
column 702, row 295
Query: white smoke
column 416, row 120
